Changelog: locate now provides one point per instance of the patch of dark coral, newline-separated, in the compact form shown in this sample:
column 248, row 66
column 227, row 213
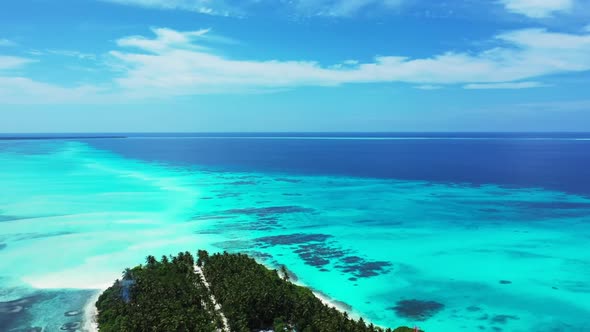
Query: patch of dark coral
column 271, row 210
column 319, row 254
column 261, row 219
column 366, row 269
column 209, row 231
column 12, row 307
column 251, row 226
column 243, row 183
column 315, row 250
column 379, row 222
column 289, row 239
column 72, row 326
column 266, row 223
column 232, row 245
column 11, row 311
column 8, row 218
column 503, row 319
column 228, row 195
column 351, row 259
column 417, row 309
column 287, row 180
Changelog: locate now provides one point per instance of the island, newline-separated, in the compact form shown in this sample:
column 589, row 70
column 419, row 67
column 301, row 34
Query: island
column 219, row 292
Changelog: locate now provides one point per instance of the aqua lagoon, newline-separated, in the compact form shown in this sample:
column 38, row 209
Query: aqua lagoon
column 507, row 253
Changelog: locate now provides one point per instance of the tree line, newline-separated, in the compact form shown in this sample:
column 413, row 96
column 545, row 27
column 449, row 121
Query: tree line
column 167, row 295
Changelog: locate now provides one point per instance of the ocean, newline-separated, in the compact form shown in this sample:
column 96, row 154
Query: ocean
column 445, row 231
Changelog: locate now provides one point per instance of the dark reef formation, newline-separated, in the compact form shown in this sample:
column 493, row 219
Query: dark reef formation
column 16, row 315
column 271, row 210
column 417, row 309
column 72, row 326
column 287, row 180
column 317, row 250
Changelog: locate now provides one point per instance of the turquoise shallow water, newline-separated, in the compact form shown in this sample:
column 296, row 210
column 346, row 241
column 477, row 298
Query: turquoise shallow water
column 441, row 256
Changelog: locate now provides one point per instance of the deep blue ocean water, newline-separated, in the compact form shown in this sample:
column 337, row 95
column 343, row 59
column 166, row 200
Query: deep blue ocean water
column 447, row 231
column 551, row 160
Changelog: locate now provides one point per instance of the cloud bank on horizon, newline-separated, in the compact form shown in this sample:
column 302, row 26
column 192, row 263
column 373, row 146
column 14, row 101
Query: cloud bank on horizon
column 243, row 7
column 167, row 62
column 538, row 8
column 530, row 8
column 172, row 62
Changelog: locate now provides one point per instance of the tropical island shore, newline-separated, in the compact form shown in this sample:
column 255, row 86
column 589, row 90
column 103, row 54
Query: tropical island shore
column 221, row 292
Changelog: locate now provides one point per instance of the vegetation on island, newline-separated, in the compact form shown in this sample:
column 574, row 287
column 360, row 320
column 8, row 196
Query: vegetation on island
column 168, row 295
column 163, row 295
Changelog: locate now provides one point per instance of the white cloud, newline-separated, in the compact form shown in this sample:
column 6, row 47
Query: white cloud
column 175, row 65
column 351, row 8
column 538, row 8
column 505, row 85
column 6, row 42
column 342, row 7
column 350, row 62
column 239, row 7
column 217, row 7
column 428, row 87
column 22, row 90
column 166, row 39
column 12, row 62
column 74, row 54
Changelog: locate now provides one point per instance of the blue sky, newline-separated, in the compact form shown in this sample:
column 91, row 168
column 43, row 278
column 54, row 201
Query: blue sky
column 296, row 65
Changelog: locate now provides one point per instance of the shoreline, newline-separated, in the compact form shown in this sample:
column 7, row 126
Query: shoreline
column 343, row 307
column 338, row 305
column 89, row 323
